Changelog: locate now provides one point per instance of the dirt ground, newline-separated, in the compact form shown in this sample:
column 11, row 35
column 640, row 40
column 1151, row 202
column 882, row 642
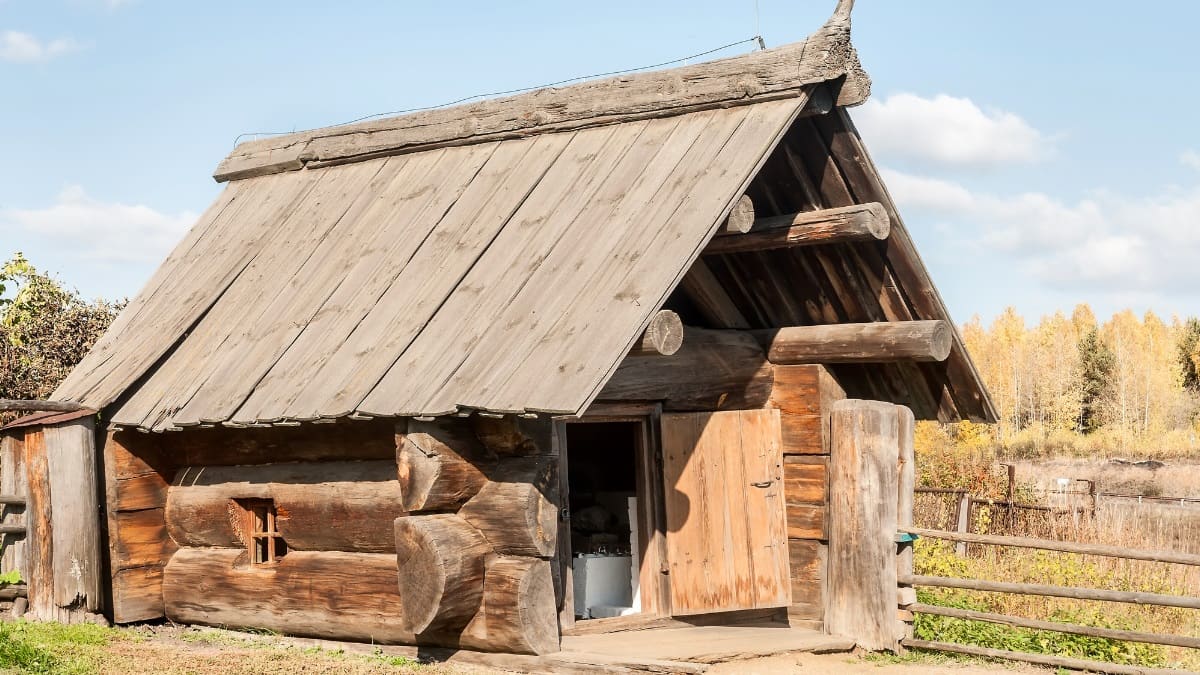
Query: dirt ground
column 172, row 650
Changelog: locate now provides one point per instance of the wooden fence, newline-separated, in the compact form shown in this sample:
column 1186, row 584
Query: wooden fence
column 1157, row 599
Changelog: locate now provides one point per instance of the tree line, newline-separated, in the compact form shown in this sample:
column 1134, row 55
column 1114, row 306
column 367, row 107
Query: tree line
column 1071, row 383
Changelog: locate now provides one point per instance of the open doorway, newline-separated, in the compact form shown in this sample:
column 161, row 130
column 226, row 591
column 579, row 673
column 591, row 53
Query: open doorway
column 608, row 515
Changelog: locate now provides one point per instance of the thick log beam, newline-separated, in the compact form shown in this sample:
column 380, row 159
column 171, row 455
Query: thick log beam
column 10, row 405
column 663, row 336
column 741, row 219
column 714, row 370
column 514, row 511
column 858, row 342
column 322, row 506
column 518, row 613
column 440, row 560
column 438, row 465
column 860, row 222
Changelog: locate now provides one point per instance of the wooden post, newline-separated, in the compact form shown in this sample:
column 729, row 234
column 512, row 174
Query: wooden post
column 13, row 482
column 75, row 503
column 907, row 478
column 962, row 517
column 863, row 481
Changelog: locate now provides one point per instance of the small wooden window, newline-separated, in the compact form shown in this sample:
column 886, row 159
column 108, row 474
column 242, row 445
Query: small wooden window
column 263, row 540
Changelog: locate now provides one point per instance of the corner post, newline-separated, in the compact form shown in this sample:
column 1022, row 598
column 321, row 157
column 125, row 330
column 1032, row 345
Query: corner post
column 864, row 484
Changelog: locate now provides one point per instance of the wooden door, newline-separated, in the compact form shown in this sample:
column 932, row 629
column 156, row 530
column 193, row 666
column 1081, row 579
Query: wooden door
column 726, row 527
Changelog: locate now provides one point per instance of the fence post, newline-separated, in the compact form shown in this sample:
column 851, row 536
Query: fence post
column 963, row 526
column 863, row 487
column 906, row 484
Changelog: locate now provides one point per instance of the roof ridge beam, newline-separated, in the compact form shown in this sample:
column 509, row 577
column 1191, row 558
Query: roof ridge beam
column 771, row 74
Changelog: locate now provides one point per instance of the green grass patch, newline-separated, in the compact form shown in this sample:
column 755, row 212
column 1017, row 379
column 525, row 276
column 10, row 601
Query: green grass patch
column 1028, row 640
column 51, row 648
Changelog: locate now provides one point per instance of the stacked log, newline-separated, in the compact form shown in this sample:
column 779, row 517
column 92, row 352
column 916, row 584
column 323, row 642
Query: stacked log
column 479, row 577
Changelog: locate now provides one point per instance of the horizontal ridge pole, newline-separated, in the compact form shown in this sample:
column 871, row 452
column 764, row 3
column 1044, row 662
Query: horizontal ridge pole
column 10, row 405
column 860, row 222
column 1061, row 546
column 882, row 342
column 1084, row 665
column 1131, row 597
column 1073, row 629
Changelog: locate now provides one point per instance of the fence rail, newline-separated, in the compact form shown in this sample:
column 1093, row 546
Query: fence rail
column 1060, row 546
column 1132, row 597
column 1043, row 659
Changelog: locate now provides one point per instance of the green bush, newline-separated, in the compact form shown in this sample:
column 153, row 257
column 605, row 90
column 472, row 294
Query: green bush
column 998, row 636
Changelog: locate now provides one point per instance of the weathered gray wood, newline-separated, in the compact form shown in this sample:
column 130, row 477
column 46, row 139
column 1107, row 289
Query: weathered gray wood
column 513, row 510
column 518, row 613
column 714, row 370
column 438, row 464
column 906, row 483
column 13, row 482
column 740, row 218
column 1082, row 665
column 440, row 559
column 75, row 504
column 663, row 337
column 11, row 405
column 322, row 506
column 759, row 76
column 1073, row 629
column 863, row 481
column 13, row 592
column 858, row 342
column 861, row 222
column 1132, row 597
column 348, row 596
column 1061, row 546
column 12, row 529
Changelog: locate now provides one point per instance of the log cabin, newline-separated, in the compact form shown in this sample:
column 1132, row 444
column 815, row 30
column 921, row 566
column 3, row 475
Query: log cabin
column 484, row 376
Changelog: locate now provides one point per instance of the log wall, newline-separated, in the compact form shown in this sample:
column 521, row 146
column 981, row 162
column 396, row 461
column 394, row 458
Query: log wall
column 804, row 395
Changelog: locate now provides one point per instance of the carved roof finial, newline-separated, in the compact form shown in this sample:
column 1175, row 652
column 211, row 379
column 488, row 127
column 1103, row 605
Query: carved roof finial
column 843, row 10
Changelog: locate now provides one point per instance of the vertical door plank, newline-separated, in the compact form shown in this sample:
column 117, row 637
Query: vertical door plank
column 765, row 509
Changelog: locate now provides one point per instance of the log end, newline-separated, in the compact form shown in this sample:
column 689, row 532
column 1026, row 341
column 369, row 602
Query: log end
column 879, row 224
column 941, row 341
column 741, row 218
column 663, row 336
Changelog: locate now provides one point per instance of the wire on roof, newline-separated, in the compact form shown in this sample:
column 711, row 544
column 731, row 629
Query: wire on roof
column 755, row 39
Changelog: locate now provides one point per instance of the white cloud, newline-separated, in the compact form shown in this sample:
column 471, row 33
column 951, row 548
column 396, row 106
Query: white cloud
column 1105, row 241
column 1190, row 158
column 18, row 47
column 101, row 231
column 948, row 131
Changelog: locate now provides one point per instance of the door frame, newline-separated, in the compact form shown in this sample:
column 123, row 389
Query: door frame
column 651, row 509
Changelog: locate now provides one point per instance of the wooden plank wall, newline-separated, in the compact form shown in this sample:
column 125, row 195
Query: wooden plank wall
column 13, row 482
column 804, row 395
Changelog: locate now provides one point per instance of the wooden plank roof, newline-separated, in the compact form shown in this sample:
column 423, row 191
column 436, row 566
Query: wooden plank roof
column 506, row 276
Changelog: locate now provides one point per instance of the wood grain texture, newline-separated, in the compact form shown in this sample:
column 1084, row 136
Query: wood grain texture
column 15, row 482
column 514, row 509
column 860, row 222
column 663, row 337
column 808, row 561
column 438, row 465
column 726, row 540
column 137, row 594
column 759, row 76
column 863, row 486
column 714, row 370
column 321, row 506
column 805, row 480
column 741, row 219
column 804, row 395
column 518, row 613
column 75, row 496
column 440, row 559
column 710, row 298
column 858, row 342
column 341, row 596
column 39, row 556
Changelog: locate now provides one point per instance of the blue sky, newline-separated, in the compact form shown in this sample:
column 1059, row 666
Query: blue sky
column 1043, row 153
